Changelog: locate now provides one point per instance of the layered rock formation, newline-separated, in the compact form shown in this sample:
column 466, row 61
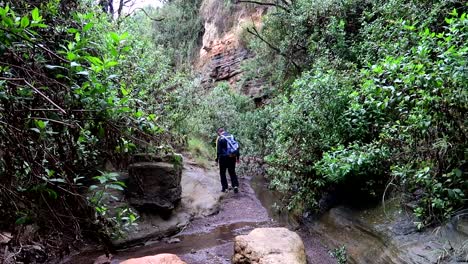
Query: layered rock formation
column 222, row 51
column 269, row 246
column 200, row 197
column 154, row 186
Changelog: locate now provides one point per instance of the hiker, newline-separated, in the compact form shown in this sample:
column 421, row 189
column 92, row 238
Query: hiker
column 226, row 156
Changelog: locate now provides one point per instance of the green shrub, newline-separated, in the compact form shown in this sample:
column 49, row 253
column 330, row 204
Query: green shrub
column 381, row 97
column 76, row 90
column 201, row 151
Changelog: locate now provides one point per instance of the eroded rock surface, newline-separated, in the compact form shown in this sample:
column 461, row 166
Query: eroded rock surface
column 154, row 186
column 157, row 259
column 222, row 51
column 200, row 196
column 390, row 236
column 269, row 246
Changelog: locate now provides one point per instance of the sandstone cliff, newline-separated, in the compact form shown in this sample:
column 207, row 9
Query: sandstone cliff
column 222, row 51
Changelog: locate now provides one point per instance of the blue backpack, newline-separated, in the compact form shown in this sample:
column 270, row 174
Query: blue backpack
column 232, row 145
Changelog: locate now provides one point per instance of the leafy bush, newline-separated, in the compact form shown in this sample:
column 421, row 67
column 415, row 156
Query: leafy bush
column 220, row 107
column 201, row 151
column 308, row 122
column 180, row 30
column 75, row 90
column 381, row 97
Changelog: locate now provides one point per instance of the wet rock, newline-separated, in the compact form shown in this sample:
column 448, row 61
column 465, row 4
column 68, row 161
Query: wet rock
column 154, row 186
column 173, row 240
column 157, row 259
column 200, row 197
column 5, row 237
column 268, row 246
column 153, row 227
column 200, row 191
column 386, row 236
column 103, row 259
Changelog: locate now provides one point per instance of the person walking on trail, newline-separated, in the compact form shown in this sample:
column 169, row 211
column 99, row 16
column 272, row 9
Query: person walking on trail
column 226, row 156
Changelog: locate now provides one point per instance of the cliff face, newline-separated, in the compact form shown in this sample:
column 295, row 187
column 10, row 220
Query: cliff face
column 222, row 50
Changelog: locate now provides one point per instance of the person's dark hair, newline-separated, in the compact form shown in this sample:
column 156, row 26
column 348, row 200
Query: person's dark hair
column 221, row 129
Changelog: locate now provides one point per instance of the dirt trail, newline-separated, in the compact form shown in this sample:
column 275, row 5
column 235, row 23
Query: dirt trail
column 210, row 239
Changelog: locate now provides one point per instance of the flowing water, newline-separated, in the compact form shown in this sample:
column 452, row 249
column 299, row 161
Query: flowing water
column 376, row 235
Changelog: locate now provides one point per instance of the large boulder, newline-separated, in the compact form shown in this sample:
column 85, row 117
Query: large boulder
column 269, row 246
column 157, row 259
column 154, row 186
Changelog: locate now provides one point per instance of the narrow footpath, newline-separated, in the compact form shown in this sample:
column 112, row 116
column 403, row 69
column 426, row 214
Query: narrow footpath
column 210, row 239
column 207, row 237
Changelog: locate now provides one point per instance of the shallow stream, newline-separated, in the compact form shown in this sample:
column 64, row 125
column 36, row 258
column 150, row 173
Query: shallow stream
column 375, row 235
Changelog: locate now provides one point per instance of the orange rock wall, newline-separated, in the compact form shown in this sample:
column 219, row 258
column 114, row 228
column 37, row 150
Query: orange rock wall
column 222, row 51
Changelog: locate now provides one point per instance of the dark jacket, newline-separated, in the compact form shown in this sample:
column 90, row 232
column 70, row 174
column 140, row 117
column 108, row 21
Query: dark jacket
column 222, row 147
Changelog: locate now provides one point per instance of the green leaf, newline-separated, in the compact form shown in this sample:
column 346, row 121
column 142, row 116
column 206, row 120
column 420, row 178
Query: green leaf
column 22, row 220
column 116, row 187
column 101, row 179
column 24, row 22
column 77, row 37
column 88, row 27
column 121, row 183
column 71, row 56
column 454, row 12
column 53, row 194
column 132, row 218
column 72, row 30
column 115, row 37
column 124, row 91
column 35, row 15
column 60, row 180
column 41, row 124
column 110, row 64
column 94, row 60
column 39, row 25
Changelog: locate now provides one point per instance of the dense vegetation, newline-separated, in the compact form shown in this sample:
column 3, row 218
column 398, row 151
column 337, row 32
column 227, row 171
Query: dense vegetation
column 375, row 97
column 366, row 98
column 77, row 89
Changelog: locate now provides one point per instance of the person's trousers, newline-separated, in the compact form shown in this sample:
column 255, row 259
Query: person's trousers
column 229, row 164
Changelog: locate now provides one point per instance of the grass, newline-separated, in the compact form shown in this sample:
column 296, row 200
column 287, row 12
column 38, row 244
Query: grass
column 202, row 153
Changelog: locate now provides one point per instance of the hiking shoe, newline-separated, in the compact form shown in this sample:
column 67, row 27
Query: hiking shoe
column 224, row 190
column 236, row 190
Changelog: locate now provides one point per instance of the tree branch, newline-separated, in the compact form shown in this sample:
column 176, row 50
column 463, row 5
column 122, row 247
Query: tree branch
column 36, row 90
column 36, row 45
column 144, row 11
column 264, row 4
column 256, row 34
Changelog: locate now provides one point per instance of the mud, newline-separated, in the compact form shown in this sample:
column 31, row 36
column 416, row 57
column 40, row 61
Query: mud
column 209, row 239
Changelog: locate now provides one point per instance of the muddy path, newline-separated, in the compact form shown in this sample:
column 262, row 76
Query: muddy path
column 210, row 239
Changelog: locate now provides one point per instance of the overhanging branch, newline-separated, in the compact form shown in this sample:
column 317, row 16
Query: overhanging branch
column 144, row 11
column 264, row 4
column 271, row 46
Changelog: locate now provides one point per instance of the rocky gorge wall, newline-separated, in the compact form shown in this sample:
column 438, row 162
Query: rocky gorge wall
column 222, row 50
